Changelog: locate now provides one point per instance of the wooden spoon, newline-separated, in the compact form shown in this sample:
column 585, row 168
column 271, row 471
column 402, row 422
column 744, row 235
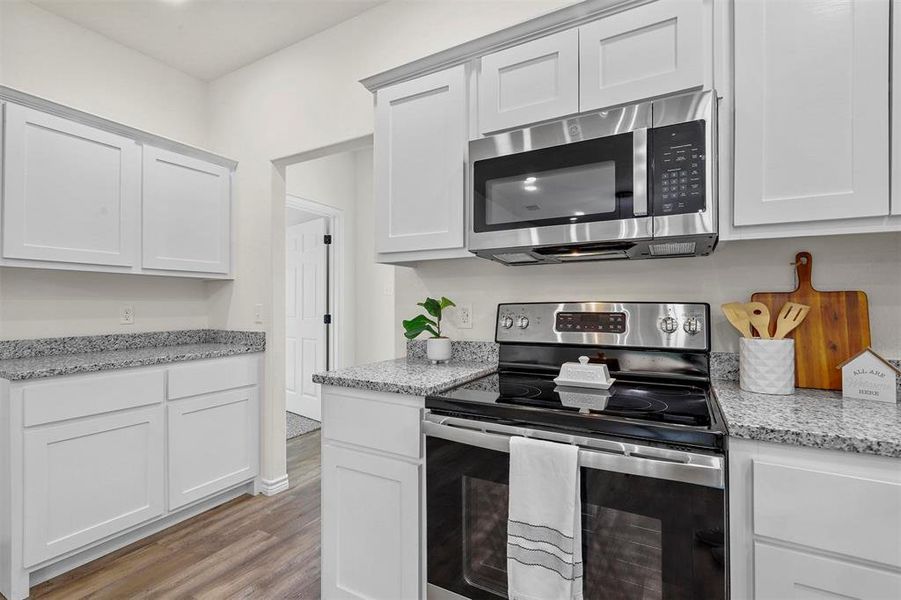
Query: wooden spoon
column 760, row 317
column 735, row 312
column 790, row 316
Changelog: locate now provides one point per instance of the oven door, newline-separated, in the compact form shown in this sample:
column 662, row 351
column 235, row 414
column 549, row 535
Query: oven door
column 653, row 520
column 581, row 180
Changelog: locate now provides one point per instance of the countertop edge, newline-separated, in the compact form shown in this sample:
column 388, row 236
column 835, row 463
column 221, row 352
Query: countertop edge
column 397, row 388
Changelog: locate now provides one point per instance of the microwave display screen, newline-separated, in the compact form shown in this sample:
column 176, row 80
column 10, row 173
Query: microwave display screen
column 678, row 171
column 567, row 192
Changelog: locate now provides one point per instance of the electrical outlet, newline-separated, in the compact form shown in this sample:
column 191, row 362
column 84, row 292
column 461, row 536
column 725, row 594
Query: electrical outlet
column 127, row 315
column 257, row 313
column 464, row 316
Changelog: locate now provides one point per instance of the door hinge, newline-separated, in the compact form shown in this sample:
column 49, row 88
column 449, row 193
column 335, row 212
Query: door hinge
column 327, row 319
column 327, row 239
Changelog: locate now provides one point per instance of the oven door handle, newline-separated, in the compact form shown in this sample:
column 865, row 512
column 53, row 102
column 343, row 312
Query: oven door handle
column 642, row 461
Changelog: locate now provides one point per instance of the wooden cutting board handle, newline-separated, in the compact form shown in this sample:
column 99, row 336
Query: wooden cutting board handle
column 804, row 269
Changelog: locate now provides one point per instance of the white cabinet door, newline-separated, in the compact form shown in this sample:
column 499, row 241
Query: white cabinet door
column 896, row 107
column 532, row 82
column 420, row 154
column 811, row 110
column 213, row 444
column 783, row 574
column 647, row 51
column 370, row 526
column 91, row 478
column 187, row 213
column 71, row 193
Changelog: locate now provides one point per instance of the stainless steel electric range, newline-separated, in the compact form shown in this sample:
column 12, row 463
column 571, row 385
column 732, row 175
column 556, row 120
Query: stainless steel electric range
column 652, row 451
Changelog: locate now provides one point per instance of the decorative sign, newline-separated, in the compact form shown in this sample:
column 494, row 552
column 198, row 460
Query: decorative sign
column 868, row 376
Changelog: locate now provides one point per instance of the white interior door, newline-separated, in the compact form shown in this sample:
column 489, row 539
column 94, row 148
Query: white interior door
column 305, row 287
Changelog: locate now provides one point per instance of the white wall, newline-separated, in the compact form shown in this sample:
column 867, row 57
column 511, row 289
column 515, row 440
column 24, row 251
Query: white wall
column 306, row 97
column 45, row 55
column 871, row 263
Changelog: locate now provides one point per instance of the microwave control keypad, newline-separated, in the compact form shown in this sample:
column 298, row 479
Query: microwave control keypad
column 678, row 169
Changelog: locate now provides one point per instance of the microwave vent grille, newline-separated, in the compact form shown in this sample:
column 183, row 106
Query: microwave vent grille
column 673, row 248
column 515, row 258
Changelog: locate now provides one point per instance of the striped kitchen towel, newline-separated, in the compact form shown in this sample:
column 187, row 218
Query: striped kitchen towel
column 544, row 529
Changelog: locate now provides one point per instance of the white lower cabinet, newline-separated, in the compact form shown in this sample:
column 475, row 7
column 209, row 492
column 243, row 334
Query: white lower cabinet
column 784, row 574
column 812, row 523
column 213, row 444
column 86, row 460
column 371, row 495
column 88, row 479
column 370, row 542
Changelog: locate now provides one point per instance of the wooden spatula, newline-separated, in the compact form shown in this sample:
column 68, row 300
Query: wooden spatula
column 790, row 316
column 760, row 317
column 735, row 312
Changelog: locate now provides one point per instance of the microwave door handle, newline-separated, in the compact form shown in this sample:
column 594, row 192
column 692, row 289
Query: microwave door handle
column 640, row 172
column 708, row 471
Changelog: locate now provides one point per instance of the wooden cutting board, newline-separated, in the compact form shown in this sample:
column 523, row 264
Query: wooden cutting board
column 837, row 327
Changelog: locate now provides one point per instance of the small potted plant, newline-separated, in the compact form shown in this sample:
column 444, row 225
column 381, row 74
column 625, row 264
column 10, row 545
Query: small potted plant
column 438, row 347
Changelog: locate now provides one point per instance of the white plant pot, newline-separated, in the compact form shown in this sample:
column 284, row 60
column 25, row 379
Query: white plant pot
column 438, row 349
column 767, row 366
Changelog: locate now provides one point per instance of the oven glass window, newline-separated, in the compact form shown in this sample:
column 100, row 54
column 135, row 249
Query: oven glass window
column 573, row 183
column 569, row 192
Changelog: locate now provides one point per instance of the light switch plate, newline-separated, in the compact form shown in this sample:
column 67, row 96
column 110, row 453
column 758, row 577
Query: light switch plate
column 257, row 313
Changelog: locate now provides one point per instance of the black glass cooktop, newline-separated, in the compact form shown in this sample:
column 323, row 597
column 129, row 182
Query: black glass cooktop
column 674, row 412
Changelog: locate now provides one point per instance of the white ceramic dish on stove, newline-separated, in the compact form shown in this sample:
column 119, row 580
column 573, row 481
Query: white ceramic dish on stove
column 584, row 375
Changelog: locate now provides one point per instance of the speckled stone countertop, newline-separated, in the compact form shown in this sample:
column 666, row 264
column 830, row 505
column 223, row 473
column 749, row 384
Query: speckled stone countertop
column 813, row 418
column 412, row 376
column 51, row 357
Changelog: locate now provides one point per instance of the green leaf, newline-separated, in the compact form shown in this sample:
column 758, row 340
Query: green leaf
column 432, row 306
column 445, row 302
column 417, row 325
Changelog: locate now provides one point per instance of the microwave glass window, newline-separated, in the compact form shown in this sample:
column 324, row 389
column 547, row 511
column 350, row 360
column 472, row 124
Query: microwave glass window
column 579, row 182
column 570, row 192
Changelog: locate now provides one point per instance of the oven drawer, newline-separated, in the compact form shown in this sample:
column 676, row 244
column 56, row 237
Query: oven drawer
column 387, row 422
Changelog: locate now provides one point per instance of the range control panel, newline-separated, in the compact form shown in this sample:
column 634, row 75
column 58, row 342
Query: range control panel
column 598, row 322
column 629, row 324
column 678, row 169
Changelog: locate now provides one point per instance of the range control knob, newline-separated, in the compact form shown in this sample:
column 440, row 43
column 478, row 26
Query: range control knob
column 506, row 322
column 692, row 326
column 523, row 322
column 669, row 325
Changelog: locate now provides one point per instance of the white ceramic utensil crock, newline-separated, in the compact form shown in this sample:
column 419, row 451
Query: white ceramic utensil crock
column 438, row 350
column 767, row 366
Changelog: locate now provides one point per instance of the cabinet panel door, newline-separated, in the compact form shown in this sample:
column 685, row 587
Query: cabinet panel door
column 896, row 107
column 647, row 51
column 71, row 193
column 532, row 82
column 811, row 110
column 420, row 154
column 213, row 444
column 88, row 479
column 370, row 526
column 187, row 213
column 783, row 574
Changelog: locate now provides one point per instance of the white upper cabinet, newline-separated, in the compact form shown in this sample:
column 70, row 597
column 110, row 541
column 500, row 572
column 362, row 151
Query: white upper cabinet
column 71, row 193
column 896, row 108
column 811, row 110
column 532, row 82
column 646, row 51
column 187, row 213
column 420, row 154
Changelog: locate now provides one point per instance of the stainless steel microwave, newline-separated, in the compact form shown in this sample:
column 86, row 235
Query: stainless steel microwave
column 631, row 182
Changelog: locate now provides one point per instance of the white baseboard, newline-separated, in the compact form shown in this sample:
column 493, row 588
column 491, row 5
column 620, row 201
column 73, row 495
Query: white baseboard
column 271, row 487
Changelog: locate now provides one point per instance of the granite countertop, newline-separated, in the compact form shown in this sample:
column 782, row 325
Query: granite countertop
column 812, row 418
column 51, row 357
column 413, row 376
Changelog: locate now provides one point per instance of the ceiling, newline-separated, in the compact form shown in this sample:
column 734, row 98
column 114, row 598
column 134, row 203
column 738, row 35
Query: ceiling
column 207, row 38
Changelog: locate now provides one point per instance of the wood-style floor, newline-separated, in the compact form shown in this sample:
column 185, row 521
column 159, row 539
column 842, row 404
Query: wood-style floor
column 260, row 547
